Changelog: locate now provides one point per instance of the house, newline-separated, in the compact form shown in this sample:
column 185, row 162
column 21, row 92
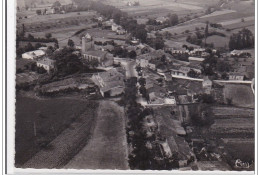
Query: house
column 156, row 98
column 239, row 53
column 181, row 71
column 157, row 94
column 196, row 60
column 161, row 19
column 47, row 64
column 207, row 85
column 167, row 76
column 115, row 27
column 194, row 88
column 110, row 83
column 105, row 59
column 33, row 54
column 100, row 19
column 107, row 25
column 121, row 31
column 236, row 76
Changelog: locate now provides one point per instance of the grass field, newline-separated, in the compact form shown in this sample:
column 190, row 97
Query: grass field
column 218, row 41
column 107, row 148
column 241, row 95
column 45, row 118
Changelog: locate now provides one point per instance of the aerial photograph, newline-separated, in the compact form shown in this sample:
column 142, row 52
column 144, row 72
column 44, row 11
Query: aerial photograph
column 135, row 85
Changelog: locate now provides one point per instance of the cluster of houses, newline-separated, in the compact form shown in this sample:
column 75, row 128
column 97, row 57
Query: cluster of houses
column 111, row 25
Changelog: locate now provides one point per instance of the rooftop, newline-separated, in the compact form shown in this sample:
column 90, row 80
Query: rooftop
column 47, row 61
column 196, row 59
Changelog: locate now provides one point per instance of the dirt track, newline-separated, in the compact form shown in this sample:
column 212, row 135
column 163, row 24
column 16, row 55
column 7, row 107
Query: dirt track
column 107, row 149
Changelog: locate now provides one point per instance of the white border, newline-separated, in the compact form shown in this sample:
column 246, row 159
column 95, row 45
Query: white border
column 11, row 21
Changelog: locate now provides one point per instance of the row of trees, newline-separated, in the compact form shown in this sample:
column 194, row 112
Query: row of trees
column 241, row 40
column 142, row 157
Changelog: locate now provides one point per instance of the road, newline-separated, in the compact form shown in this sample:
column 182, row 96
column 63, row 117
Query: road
column 107, row 148
column 129, row 66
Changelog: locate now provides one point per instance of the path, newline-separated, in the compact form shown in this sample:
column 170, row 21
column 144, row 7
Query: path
column 107, row 149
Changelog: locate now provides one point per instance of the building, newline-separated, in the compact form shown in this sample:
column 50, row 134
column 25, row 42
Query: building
column 87, row 43
column 182, row 71
column 33, row 54
column 110, row 83
column 47, row 64
column 207, row 85
column 236, row 76
column 104, row 58
column 195, row 60
column 121, row 31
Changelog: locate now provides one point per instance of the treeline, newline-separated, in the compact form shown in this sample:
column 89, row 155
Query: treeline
column 241, row 40
column 31, row 38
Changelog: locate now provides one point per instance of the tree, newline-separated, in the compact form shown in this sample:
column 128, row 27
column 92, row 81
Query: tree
column 193, row 74
column 173, row 19
column 206, row 32
column 38, row 12
column 142, row 81
column 30, row 37
column 71, row 43
column 29, row 47
column 48, row 35
column 241, row 40
column 132, row 54
column 49, row 51
column 93, row 63
column 143, row 91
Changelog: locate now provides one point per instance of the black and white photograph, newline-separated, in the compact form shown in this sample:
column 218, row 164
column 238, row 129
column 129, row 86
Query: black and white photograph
column 164, row 85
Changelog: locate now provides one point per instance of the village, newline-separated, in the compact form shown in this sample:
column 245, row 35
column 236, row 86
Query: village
column 179, row 104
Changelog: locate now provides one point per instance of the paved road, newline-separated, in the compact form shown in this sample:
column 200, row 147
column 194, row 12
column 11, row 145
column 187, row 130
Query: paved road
column 130, row 69
column 107, row 149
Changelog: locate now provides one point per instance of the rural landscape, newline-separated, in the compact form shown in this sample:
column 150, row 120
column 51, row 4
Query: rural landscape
column 135, row 85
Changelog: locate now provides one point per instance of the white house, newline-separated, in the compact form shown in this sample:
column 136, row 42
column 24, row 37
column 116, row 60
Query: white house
column 33, row 54
column 46, row 63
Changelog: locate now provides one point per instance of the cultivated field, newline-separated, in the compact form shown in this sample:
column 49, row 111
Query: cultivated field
column 39, row 121
column 241, row 95
column 107, row 148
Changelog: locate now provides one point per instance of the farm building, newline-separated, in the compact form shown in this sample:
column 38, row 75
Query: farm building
column 105, row 59
column 111, row 83
column 47, row 64
column 33, row 54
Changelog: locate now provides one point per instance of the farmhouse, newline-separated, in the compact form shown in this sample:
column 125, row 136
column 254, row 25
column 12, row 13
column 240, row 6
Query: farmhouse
column 110, row 83
column 105, row 59
column 33, row 54
column 47, row 64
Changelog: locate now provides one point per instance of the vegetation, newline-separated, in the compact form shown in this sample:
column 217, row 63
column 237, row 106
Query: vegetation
column 241, row 40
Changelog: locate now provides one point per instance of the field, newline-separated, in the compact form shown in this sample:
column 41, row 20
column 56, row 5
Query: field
column 241, row 95
column 218, row 41
column 39, row 121
column 107, row 148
